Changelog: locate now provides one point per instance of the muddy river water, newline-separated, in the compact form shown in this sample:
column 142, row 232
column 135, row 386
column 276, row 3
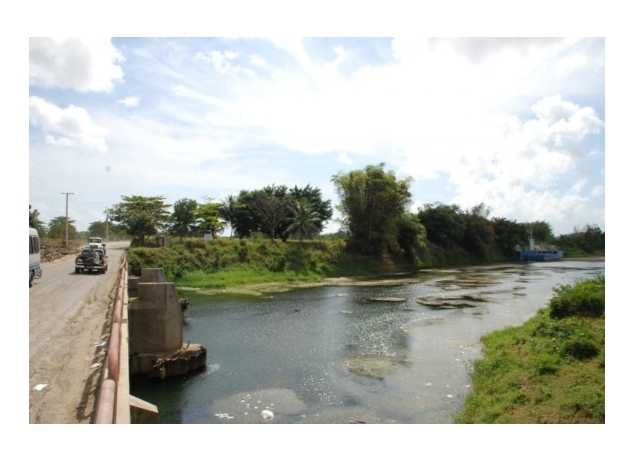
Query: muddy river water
column 398, row 353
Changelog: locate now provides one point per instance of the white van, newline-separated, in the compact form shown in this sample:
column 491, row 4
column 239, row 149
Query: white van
column 34, row 259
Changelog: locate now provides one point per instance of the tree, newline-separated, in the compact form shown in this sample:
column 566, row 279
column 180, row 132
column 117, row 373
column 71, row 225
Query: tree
column 208, row 218
column 411, row 236
column 445, row 224
column 227, row 211
column 140, row 216
column 372, row 200
column 509, row 236
column 183, row 220
column 104, row 229
column 313, row 198
column 98, row 229
column 271, row 211
column 56, row 228
column 35, row 222
column 303, row 220
column 541, row 230
column 479, row 235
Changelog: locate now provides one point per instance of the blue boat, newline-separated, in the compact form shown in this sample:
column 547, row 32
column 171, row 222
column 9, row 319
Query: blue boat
column 540, row 253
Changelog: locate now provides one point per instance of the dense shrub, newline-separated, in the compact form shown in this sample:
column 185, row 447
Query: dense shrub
column 584, row 299
column 580, row 348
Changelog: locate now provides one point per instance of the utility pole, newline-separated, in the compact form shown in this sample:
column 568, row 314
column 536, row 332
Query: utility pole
column 67, row 194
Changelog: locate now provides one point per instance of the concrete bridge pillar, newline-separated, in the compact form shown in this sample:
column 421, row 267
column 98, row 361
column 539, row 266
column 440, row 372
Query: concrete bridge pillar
column 156, row 321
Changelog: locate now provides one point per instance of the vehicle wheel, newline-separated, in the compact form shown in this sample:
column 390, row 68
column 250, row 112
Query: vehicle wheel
column 30, row 280
column 77, row 271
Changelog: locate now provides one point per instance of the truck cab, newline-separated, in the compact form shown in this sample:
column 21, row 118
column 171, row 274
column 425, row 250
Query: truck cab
column 96, row 242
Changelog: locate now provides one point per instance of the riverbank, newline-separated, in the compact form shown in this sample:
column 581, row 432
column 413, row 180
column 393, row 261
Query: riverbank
column 549, row 370
column 266, row 288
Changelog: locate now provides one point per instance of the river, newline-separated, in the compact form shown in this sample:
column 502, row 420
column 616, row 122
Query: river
column 350, row 354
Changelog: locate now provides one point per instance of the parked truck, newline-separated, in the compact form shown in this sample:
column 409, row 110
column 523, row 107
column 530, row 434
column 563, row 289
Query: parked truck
column 91, row 258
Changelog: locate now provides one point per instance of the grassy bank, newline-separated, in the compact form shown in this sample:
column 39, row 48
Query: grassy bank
column 233, row 262
column 549, row 370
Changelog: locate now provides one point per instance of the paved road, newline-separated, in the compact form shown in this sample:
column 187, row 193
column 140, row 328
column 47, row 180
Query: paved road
column 68, row 314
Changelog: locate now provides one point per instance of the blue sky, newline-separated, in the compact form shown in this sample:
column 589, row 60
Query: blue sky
column 515, row 123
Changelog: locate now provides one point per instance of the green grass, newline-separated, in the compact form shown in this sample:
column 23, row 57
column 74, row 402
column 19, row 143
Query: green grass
column 232, row 262
column 240, row 276
column 549, row 370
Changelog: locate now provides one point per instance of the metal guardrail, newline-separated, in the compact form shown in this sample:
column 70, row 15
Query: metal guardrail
column 113, row 406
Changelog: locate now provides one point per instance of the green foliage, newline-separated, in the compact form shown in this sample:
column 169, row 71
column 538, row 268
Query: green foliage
column 208, row 218
column 580, row 348
column 303, row 220
column 479, row 236
column 271, row 212
column 584, row 299
column 57, row 228
column 545, row 364
column 412, row 238
column 509, row 235
column 267, row 211
column 35, row 222
column 541, row 230
column 174, row 261
column 227, row 211
column 372, row 201
column 140, row 216
column 183, row 221
column 258, row 260
column 590, row 239
column 445, row 224
column 549, row 370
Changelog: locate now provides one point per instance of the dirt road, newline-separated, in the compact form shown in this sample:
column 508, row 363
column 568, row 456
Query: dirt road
column 68, row 314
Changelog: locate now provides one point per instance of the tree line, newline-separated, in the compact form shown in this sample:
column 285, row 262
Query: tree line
column 274, row 212
column 375, row 218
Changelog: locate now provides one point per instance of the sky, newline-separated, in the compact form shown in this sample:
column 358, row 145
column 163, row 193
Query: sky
column 515, row 123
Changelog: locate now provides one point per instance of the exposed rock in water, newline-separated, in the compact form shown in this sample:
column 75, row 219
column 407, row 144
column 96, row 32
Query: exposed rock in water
column 469, row 281
column 370, row 365
column 452, row 302
column 387, row 299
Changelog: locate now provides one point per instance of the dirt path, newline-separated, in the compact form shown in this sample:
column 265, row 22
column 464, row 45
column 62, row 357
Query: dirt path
column 68, row 315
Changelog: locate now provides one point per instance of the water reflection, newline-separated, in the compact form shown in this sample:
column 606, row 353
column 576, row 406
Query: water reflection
column 331, row 355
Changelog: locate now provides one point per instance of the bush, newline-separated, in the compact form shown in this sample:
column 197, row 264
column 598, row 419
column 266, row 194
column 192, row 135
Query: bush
column 580, row 348
column 584, row 299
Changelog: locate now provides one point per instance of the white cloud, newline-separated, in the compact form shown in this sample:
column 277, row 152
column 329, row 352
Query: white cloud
column 80, row 64
column 130, row 101
column 598, row 191
column 59, row 141
column 68, row 126
column 257, row 61
column 344, row 159
column 222, row 61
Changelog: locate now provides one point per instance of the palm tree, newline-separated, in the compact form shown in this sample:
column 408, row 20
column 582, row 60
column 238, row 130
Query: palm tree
column 303, row 220
column 227, row 211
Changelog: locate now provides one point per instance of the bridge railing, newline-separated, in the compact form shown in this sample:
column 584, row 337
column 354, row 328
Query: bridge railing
column 113, row 404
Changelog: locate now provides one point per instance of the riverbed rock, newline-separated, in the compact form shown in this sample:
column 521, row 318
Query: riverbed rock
column 452, row 302
column 370, row 365
column 387, row 299
column 468, row 281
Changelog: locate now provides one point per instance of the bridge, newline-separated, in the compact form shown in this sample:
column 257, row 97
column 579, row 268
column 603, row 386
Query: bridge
column 150, row 342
